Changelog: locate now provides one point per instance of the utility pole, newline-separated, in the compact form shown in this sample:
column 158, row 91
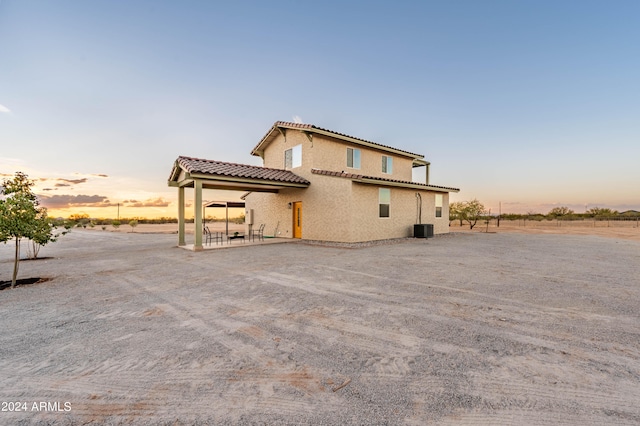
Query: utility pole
column 118, row 211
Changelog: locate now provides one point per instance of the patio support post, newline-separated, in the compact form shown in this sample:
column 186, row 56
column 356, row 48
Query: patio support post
column 197, row 214
column 181, row 240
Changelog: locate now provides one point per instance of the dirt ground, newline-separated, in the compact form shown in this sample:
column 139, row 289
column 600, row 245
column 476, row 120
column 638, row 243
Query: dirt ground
column 470, row 328
column 628, row 230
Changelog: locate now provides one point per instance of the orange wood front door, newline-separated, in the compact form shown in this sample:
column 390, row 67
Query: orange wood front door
column 297, row 219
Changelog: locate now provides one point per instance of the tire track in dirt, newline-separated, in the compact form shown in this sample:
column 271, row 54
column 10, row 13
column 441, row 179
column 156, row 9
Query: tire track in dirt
column 252, row 366
column 590, row 398
column 517, row 332
column 521, row 334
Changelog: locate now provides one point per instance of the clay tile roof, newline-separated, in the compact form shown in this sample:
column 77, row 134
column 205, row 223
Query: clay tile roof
column 338, row 135
column 219, row 168
column 380, row 179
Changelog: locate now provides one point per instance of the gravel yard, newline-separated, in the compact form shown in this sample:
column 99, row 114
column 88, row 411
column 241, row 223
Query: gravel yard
column 460, row 329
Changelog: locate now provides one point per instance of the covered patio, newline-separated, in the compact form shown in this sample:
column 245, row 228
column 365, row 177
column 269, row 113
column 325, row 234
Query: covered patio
column 200, row 174
column 226, row 205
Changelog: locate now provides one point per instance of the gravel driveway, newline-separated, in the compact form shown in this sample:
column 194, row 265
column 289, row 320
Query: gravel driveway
column 460, row 329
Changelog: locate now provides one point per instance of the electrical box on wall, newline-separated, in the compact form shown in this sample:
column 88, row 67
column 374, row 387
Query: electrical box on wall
column 248, row 216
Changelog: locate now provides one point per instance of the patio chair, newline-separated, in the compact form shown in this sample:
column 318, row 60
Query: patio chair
column 207, row 235
column 210, row 236
column 259, row 233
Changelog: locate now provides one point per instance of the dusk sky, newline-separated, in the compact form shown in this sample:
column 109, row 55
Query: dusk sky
column 534, row 104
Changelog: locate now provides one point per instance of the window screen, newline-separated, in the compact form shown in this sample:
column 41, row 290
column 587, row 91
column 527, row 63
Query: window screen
column 387, row 164
column 353, row 158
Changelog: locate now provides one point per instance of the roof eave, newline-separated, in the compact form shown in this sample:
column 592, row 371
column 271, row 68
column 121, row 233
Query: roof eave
column 405, row 185
column 248, row 180
column 367, row 144
column 258, row 150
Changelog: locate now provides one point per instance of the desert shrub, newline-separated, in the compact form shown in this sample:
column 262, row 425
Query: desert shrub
column 133, row 224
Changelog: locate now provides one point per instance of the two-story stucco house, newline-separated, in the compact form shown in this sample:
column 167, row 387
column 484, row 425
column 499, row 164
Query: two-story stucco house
column 318, row 184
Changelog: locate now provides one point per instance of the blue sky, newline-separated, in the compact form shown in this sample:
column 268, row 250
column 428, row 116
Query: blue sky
column 533, row 104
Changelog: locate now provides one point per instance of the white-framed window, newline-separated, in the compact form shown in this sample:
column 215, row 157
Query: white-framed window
column 353, row 158
column 293, row 157
column 387, row 164
column 384, row 201
column 438, row 205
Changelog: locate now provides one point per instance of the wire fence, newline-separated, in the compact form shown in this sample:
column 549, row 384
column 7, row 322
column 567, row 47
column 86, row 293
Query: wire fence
column 595, row 222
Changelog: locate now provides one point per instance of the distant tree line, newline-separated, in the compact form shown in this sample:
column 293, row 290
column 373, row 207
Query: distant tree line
column 82, row 220
column 470, row 212
column 565, row 213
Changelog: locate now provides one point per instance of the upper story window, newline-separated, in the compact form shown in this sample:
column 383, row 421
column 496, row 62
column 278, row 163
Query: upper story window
column 293, row 157
column 387, row 164
column 353, row 158
column 438, row 205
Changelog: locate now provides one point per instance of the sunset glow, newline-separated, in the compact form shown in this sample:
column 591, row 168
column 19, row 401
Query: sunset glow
column 523, row 105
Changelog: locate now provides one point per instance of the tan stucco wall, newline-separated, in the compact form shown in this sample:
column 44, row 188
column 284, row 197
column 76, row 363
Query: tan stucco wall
column 274, row 153
column 330, row 154
column 273, row 210
column 325, row 209
column 338, row 209
column 402, row 214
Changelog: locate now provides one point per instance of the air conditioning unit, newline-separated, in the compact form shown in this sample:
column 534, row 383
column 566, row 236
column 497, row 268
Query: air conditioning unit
column 424, row 230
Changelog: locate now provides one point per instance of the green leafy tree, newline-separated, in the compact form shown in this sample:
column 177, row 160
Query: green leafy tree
column 22, row 217
column 601, row 212
column 455, row 211
column 115, row 224
column 560, row 211
column 472, row 211
column 43, row 234
column 133, row 223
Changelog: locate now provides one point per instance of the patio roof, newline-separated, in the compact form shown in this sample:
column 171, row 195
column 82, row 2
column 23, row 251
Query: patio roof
column 230, row 176
column 230, row 204
column 199, row 174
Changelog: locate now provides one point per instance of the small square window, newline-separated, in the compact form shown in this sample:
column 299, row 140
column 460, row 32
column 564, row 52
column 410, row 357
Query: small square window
column 353, row 158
